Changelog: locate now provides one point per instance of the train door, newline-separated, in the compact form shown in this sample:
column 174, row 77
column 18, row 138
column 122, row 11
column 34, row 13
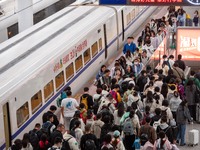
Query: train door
column 7, row 128
column 122, row 15
column 105, row 41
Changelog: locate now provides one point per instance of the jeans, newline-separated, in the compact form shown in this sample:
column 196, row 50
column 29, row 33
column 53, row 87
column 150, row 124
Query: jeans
column 181, row 133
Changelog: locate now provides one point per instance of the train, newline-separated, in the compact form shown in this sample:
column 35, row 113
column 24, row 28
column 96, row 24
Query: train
column 66, row 49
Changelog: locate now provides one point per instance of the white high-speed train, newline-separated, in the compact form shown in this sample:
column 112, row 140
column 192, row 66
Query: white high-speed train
column 65, row 49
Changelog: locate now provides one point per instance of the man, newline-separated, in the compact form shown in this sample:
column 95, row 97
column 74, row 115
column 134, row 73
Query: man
column 68, row 107
column 106, row 78
column 51, row 112
column 35, row 135
column 142, row 80
column 48, row 127
column 69, row 142
column 137, row 67
column 144, row 58
column 87, row 99
column 57, row 144
column 57, row 133
column 181, row 64
column 178, row 72
column 89, row 139
column 194, row 79
column 171, row 61
column 129, row 46
column 147, row 132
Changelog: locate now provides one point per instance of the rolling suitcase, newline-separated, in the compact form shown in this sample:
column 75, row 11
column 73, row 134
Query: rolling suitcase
column 198, row 113
column 193, row 137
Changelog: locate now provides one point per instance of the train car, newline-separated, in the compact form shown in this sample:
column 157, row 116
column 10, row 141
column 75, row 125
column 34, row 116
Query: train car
column 66, row 49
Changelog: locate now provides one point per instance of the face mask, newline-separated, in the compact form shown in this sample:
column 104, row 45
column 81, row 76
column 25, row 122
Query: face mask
column 135, row 63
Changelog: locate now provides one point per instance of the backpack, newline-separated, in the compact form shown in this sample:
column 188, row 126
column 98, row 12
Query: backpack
column 34, row 139
column 65, row 144
column 164, row 112
column 128, row 127
column 90, row 144
column 145, row 135
column 46, row 128
column 96, row 105
column 84, row 101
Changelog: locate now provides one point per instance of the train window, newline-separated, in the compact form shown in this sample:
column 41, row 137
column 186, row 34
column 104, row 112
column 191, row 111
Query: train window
column 69, row 71
column 36, row 101
column 59, row 80
column 94, row 49
column 48, row 90
column 100, row 44
column 86, row 55
column 128, row 17
column 22, row 114
column 78, row 63
column 133, row 14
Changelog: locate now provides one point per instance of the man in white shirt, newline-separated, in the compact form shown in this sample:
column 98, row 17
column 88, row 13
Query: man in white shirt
column 171, row 61
column 68, row 107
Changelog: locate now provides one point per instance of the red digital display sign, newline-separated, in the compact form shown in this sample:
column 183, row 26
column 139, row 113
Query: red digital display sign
column 162, row 2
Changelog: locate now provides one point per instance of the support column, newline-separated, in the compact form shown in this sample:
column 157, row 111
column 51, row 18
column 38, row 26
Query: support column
column 24, row 11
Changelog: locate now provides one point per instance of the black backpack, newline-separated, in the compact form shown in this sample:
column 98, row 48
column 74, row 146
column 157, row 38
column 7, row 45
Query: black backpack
column 65, row 144
column 90, row 144
column 34, row 139
column 46, row 128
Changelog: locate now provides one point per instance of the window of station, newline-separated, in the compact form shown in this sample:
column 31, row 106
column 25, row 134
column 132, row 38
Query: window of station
column 133, row 14
column 59, row 80
column 22, row 114
column 100, row 44
column 78, row 63
column 86, row 55
column 69, row 71
column 128, row 17
column 48, row 90
column 94, row 49
column 36, row 101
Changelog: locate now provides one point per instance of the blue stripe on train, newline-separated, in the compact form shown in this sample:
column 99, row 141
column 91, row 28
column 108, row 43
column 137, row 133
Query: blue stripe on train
column 68, row 83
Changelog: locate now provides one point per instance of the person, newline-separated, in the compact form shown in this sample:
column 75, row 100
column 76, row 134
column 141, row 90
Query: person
column 182, row 115
column 78, row 131
column 72, row 143
column 57, row 144
column 44, row 144
column 48, row 127
column 162, row 142
column 129, row 57
column 194, row 79
column 166, row 128
column 174, row 102
column 100, row 73
column 17, row 145
column 68, row 108
column 115, row 94
column 97, row 100
column 86, row 99
column 129, row 46
column 106, row 128
column 107, row 142
column 147, row 131
column 178, row 72
column 149, row 48
column 109, row 103
column 190, row 90
column 116, row 142
column 142, row 80
column 166, row 110
column 96, row 126
column 156, row 118
column 89, row 139
column 171, row 61
column 35, row 135
column 137, row 67
column 51, row 111
column 106, row 79
column 181, row 64
column 118, row 113
column 144, row 58
column 196, row 18
column 26, row 145
column 58, row 132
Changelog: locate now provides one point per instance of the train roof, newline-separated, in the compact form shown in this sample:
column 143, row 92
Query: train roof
column 24, row 54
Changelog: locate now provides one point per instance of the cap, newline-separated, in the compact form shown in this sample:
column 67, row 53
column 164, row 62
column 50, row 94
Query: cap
column 116, row 133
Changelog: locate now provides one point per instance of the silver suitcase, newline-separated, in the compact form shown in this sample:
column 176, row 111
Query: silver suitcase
column 193, row 137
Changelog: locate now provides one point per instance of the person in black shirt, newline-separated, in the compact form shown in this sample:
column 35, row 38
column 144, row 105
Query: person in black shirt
column 88, row 137
column 51, row 112
column 87, row 99
column 57, row 133
column 181, row 64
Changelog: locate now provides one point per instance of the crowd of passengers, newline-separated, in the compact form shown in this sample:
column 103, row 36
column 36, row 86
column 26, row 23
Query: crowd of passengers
column 134, row 107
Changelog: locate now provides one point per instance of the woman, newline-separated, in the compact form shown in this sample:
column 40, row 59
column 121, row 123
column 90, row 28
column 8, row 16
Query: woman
column 116, row 142
column 107, row 142
column 26, row 145
column 162, row 143
column 118, row 114
column 78, row 131
column 99, row 75
column 164, row 90
column 129, row 70
column 129, row 57
column 174, row 103
column 183, row 115
column 190, row 90
column 149, row 101
column 196, row 18
column 43, row 143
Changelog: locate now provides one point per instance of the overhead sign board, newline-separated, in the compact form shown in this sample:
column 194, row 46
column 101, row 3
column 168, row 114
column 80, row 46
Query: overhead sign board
column 150, row 2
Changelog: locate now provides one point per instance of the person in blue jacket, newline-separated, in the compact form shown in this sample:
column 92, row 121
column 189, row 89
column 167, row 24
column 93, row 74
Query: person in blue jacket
column 129, row 46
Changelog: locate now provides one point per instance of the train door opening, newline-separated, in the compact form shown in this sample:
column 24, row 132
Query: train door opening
column 105, row 41
column 122, row 14
column 7, row 128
